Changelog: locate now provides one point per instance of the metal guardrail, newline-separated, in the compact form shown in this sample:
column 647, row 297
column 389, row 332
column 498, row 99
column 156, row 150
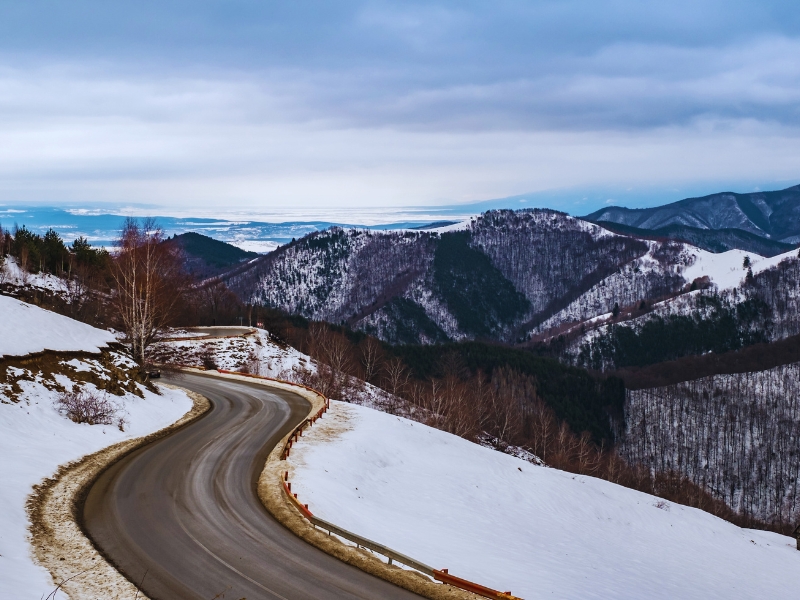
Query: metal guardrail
column 361, row 542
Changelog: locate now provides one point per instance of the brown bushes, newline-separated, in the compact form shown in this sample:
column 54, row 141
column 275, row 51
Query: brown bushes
column 83, row 406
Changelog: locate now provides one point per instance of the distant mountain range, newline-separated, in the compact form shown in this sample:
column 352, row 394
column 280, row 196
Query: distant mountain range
column 773, row 216
column 531, row 274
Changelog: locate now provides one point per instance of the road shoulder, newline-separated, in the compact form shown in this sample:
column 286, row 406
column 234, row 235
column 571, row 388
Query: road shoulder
column 58, row 541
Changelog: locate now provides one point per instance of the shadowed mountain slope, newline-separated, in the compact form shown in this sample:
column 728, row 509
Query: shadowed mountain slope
column 772, row 215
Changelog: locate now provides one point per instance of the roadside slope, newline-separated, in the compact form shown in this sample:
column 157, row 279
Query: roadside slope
column 36, row 440
column 537, row 531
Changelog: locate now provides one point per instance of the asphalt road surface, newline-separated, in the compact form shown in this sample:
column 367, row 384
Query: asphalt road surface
column 182, row 517
column 218, row 332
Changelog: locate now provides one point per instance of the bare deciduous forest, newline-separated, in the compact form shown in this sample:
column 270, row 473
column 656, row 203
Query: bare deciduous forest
column 734, row 435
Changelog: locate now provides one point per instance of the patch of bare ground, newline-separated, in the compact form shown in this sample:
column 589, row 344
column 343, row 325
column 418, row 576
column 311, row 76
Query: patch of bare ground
column 57, row 539
column 109, row 371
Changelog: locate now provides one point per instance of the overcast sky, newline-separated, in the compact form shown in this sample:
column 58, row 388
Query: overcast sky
column 291, row 105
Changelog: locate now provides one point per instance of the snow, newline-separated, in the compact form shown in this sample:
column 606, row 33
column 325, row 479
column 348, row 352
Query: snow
column 460, row 226
column 39, row 440
column 10, row 272
column 539, row 532
column 25, row 329
column 35, row 439
column 725, row 269
column 260, row 246
column 258, row 351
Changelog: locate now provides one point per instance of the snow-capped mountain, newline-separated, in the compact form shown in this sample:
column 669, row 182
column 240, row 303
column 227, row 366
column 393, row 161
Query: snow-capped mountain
column 530, row 275
column 492, row 277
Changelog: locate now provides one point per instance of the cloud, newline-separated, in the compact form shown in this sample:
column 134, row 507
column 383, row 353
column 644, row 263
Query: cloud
column 363, row 103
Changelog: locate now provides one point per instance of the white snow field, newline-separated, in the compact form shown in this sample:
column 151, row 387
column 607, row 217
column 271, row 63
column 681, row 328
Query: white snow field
column 536, row 531
column 10, row 272
column 726, row 268
column 35, row 439
column 25, row 329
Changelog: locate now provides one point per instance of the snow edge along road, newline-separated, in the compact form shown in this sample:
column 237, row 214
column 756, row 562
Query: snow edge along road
column 58, row 540
column 275, row 500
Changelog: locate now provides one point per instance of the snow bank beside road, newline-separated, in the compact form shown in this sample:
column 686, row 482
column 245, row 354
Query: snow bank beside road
column 26, row 329
column 539, row 532
column 34, row 441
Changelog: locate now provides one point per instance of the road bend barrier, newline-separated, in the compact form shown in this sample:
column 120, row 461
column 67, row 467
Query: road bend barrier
column 392, row 556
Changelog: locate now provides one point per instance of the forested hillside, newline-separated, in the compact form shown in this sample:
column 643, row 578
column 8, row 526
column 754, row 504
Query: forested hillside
column 734, row 435
column 764, row 308
column 489, row 278
column 206, row 257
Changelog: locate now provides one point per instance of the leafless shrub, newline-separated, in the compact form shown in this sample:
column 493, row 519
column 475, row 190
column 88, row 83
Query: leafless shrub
column 83, row 406
column 208, row 358
column 251, row 363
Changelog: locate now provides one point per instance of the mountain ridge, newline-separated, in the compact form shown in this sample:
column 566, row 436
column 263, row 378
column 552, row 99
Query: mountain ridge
column 774, row 215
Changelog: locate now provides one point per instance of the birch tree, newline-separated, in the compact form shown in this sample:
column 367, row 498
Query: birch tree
column 148, row 284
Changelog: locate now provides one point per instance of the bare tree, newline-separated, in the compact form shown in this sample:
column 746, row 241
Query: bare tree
column 511, row 392
column 397, row 376
column 331, row 350
column 148, row 284
column 370, row 357
column 213, row 293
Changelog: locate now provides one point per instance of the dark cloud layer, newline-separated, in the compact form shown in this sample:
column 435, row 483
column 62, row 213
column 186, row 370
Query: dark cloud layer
column 560, row 64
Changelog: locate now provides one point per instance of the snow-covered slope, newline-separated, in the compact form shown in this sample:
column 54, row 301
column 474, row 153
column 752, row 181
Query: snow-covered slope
column 726, row 269
column 11, row 273
column 536, row 531
column 25, row 329
column 256, row 353
column 35, row 439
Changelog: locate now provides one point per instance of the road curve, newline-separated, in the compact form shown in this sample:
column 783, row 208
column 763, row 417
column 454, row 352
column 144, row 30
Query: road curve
column 181, row 517
column 219, row 332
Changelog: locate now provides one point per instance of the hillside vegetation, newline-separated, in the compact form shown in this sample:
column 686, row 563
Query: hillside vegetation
column 489, row 280
column 205, row 257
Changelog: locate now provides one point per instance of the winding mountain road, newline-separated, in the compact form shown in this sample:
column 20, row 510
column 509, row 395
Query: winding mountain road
column 181, row 517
